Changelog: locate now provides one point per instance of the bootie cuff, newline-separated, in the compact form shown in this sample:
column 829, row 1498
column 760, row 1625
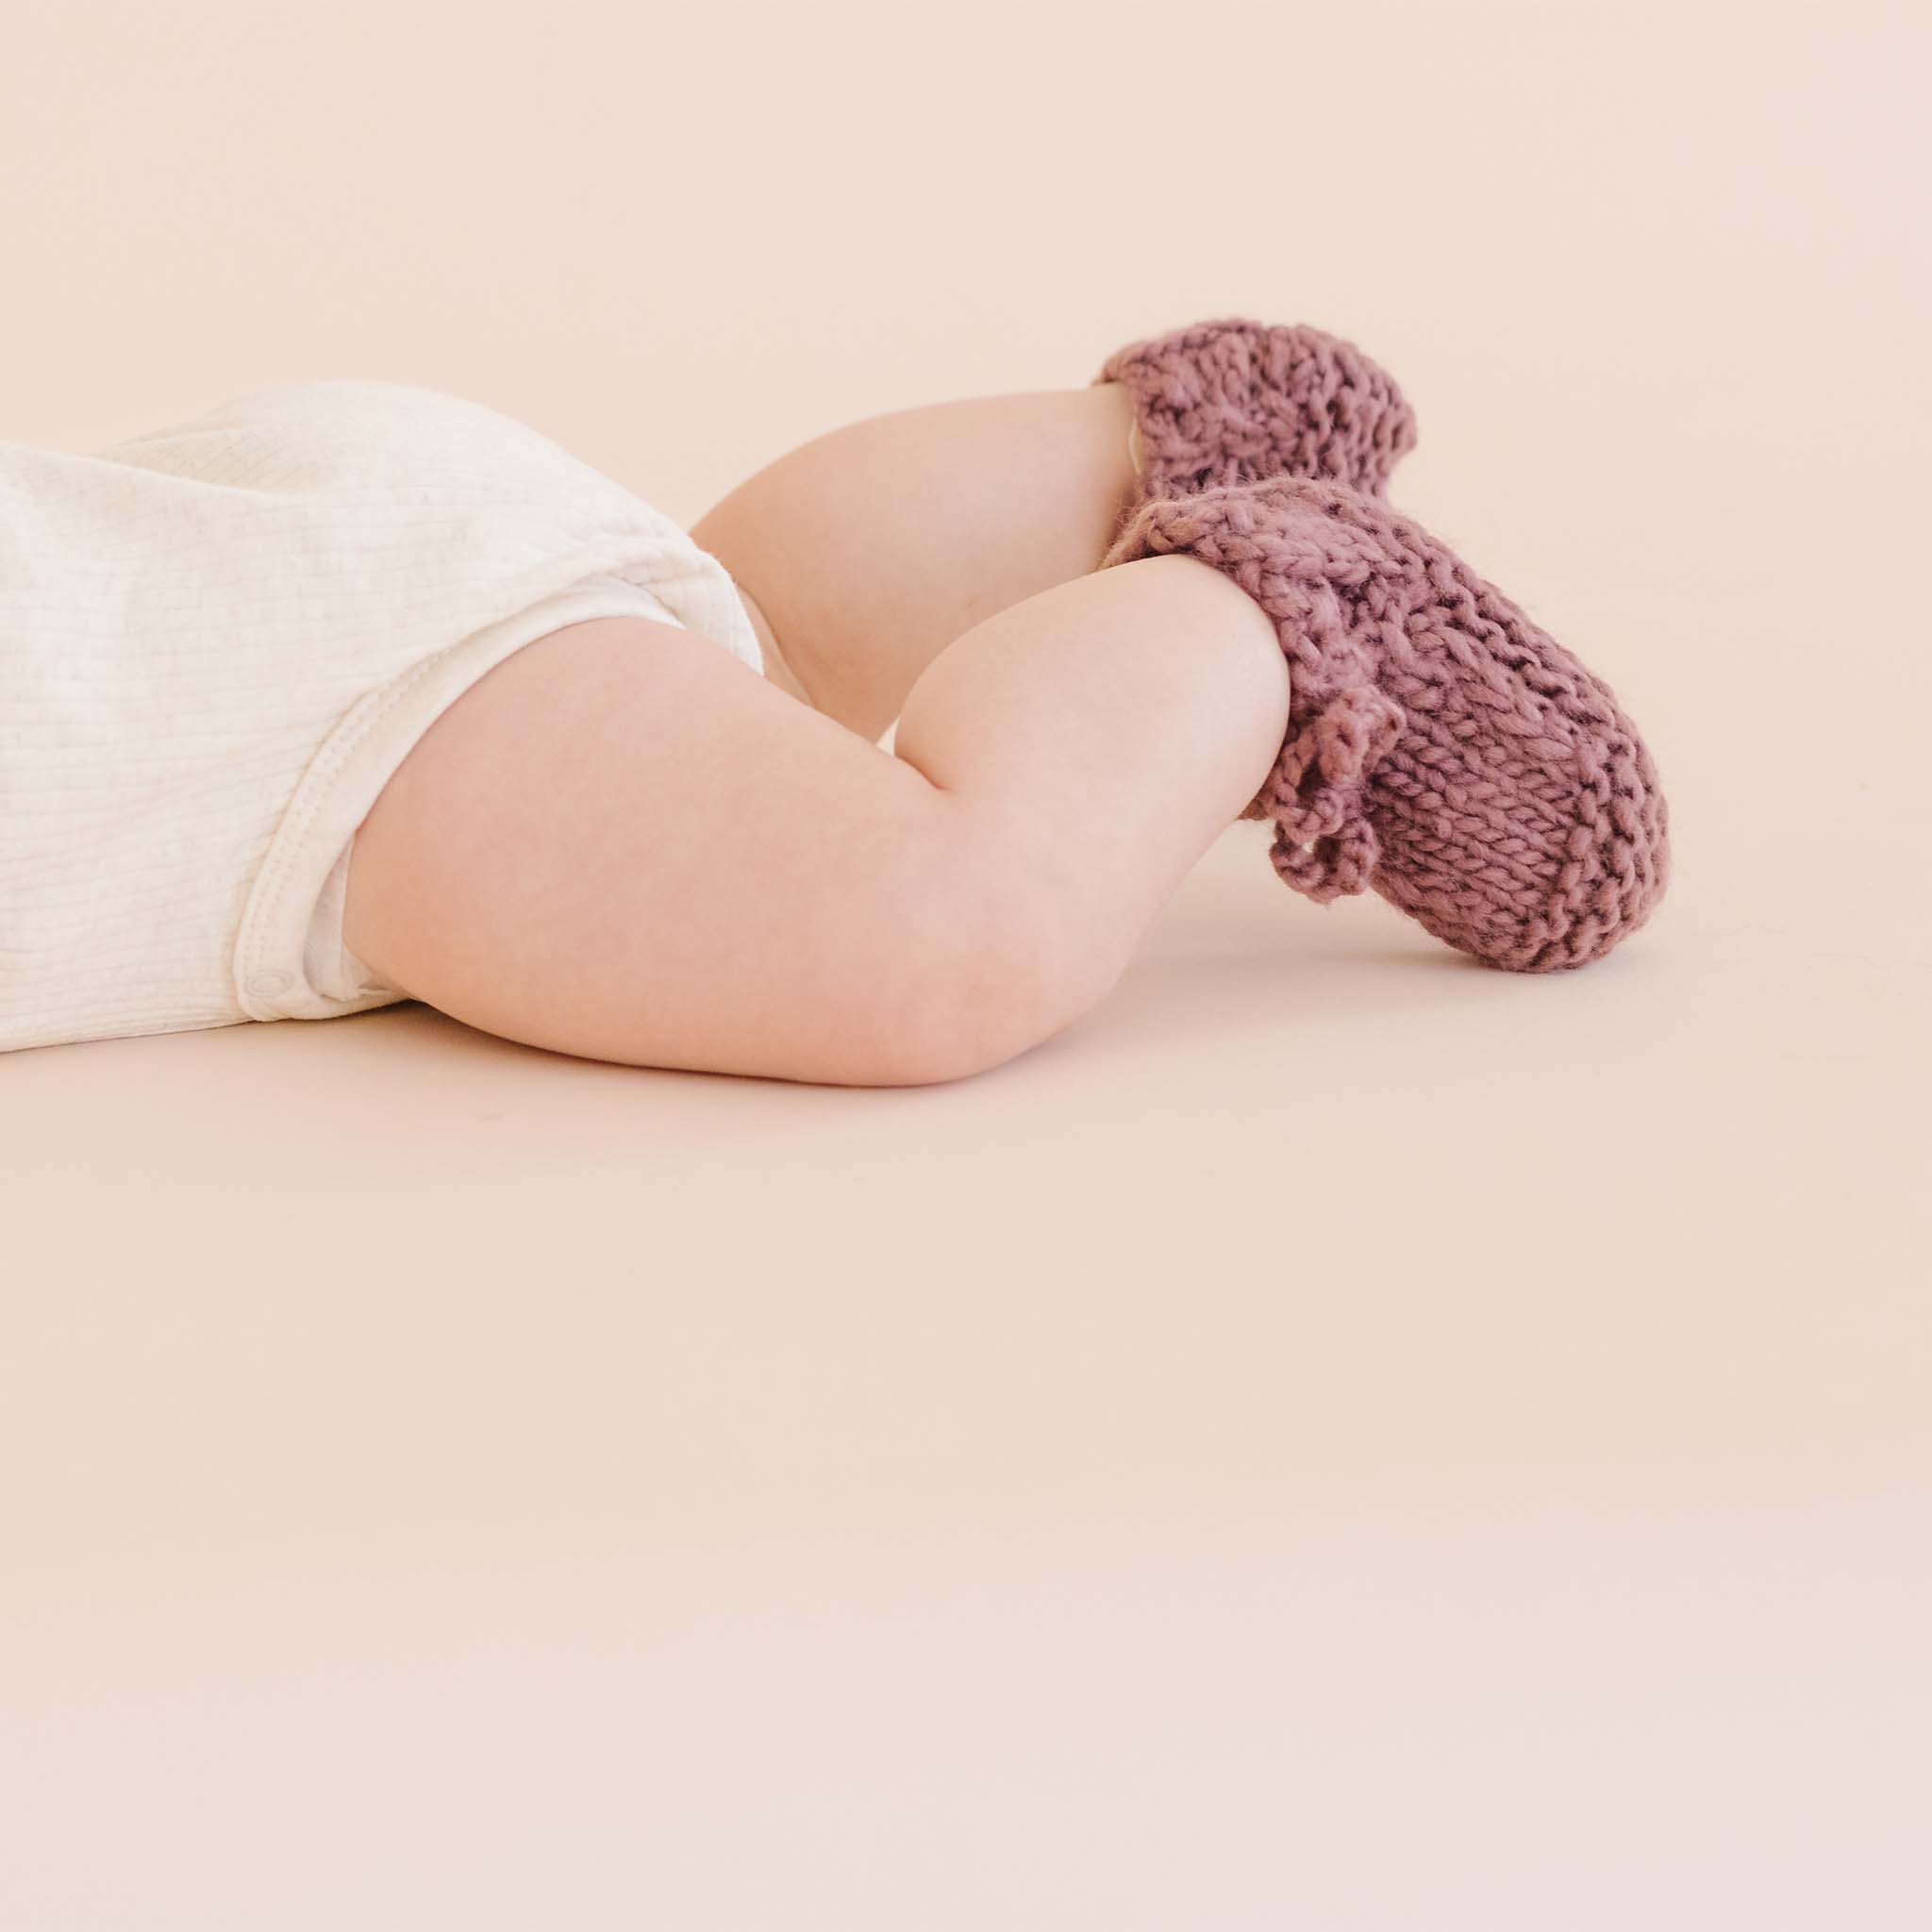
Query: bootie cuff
column 1238, row 402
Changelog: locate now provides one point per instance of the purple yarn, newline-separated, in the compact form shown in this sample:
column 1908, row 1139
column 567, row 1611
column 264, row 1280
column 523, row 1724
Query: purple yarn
column 1238, row 401
column 1442, row 747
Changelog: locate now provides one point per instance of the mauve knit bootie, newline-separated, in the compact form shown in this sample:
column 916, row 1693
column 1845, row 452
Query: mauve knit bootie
column 1238, row 402
column 1441, row 746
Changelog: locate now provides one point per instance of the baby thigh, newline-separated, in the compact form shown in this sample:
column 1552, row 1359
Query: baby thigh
column 621, row 843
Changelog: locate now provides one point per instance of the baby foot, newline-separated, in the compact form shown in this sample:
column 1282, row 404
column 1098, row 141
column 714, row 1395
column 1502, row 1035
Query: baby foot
column 1442, row 747
column 1238, row 402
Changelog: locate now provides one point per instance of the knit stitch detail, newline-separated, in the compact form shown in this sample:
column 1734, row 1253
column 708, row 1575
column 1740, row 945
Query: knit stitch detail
column 1236, row 402
column 1442, row 747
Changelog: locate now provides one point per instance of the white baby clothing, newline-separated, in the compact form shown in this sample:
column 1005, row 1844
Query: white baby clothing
column 217, row 643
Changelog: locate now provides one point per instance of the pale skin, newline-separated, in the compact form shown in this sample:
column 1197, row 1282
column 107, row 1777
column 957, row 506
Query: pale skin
column 624, row 844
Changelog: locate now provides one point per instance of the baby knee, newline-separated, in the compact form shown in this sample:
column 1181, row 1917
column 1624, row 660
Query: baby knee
column 995, row 961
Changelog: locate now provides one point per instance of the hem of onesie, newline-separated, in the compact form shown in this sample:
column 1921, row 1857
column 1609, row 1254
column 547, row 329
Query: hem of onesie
column 89, row 1033
column 273, row 964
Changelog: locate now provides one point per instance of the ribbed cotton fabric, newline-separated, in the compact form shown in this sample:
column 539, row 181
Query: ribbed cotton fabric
column 218, row 641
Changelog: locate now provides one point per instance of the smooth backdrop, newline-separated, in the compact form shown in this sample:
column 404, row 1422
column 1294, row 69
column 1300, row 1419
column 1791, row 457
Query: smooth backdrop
column 1342, row 1439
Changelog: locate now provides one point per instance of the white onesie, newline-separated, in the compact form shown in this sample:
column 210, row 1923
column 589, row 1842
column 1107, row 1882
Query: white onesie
column 218, row 641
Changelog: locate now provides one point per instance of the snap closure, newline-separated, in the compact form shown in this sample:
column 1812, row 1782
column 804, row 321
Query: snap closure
column 266, row 985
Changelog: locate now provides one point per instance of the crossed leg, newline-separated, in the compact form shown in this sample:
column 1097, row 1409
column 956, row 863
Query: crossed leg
column 622, row 844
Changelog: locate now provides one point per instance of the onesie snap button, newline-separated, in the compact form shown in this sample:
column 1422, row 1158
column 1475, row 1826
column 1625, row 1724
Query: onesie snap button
column 266, row 985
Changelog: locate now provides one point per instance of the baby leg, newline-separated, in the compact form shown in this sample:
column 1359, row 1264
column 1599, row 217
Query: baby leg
column 619, row 844
column 870, row 548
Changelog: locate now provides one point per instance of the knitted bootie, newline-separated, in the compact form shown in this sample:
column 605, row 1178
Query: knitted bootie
column 1441, row 746
column 1236, row 402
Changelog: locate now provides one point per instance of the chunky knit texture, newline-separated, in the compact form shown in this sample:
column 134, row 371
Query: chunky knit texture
column 1238, row 402
column 1442, row 747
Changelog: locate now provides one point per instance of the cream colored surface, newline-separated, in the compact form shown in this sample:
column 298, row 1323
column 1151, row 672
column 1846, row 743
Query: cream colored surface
column 1342, row 1439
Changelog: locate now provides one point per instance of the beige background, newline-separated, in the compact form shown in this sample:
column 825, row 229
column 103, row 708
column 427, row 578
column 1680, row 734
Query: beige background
column 1341, row 1440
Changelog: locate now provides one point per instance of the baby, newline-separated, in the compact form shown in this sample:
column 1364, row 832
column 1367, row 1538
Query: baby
column 347, row 692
